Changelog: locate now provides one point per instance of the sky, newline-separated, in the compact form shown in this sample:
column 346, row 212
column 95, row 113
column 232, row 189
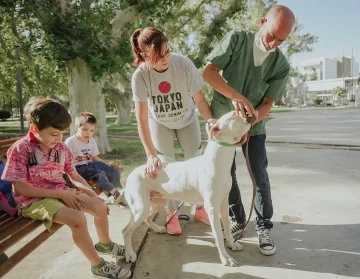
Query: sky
column 333, row 21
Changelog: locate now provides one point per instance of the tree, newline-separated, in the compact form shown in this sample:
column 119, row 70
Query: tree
column 313, row 75
column 89, row 39
column 339, row 92
column 40, row 76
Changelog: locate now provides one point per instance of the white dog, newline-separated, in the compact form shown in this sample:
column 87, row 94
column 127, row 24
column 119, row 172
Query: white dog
column 204, row 180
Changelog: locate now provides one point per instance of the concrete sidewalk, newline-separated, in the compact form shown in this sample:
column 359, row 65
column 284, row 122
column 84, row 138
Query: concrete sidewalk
column 59, row 258
column 315, row 194
column 316, row 225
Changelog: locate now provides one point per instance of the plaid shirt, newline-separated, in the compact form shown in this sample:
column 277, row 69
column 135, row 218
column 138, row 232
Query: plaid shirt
column 29, row 162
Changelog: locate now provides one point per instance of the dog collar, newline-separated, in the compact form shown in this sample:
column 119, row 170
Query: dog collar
column 224, row 143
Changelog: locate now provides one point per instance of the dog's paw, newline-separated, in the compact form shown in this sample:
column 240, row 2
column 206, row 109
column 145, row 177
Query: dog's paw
column 159, row 229
column 235, row 246
column 228, row 261
column 130, row 256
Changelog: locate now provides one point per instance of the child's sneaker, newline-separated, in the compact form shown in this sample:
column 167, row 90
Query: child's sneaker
column 116, row 250
column 201, row 216
column 173, row 227
column 111, row 270
column 119, row 198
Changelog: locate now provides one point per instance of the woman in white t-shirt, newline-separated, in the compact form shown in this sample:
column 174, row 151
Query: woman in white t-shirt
column 165, row 87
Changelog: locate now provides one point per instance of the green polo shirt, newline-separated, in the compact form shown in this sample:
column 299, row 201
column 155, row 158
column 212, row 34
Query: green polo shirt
column 235, row 57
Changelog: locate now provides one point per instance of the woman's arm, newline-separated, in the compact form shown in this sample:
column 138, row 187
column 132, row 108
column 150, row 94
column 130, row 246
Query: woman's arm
column 202, row 105
column 141, row 110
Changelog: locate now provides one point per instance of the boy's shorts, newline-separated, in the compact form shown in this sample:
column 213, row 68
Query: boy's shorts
column 43, row 210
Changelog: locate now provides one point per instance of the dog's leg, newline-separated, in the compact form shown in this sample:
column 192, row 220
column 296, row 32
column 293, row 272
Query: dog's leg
column 139, row 211
column 213, row 211
column 226, row 224
column 156, row 206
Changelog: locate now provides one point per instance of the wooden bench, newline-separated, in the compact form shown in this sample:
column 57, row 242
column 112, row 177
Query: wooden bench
column 13, row 229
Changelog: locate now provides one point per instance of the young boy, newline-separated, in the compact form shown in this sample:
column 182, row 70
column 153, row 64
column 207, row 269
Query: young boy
column 85, row 154
column 36, row 165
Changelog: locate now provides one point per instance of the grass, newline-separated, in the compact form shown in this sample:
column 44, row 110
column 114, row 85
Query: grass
column 129, row 152
column 275, row 110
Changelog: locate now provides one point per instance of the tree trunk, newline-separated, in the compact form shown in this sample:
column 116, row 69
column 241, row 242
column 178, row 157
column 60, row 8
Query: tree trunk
column 85, row 95
column 123, row 105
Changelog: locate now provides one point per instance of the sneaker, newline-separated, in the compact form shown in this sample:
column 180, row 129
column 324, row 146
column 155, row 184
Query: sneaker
column 119, row 198
column 173, row 227
column 201, row 216
column 236, row 228
column 266, row 243
column 111, row 270
column 117, row 251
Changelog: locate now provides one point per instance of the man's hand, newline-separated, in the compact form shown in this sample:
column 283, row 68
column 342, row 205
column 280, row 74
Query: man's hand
column 72, row 199
column 243, row 140
column 243, row 107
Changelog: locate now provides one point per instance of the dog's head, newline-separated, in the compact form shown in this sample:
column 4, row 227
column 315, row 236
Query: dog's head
column 229, row 128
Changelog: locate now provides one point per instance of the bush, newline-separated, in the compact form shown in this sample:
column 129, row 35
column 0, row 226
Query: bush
column 4, row 114
column 317, row 101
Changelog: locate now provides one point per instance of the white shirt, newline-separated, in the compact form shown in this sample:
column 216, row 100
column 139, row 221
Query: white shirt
column 169, row 94
column 260, row 52
column 82, row 152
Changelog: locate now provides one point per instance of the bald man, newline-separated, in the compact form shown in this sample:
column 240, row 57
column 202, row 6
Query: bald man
column 254, row 76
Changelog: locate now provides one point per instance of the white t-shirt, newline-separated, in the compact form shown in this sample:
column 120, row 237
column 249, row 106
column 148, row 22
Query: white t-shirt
column 82, row 152
column 169, row 94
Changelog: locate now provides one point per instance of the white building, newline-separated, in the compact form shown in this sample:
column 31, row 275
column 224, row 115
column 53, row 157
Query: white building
column 324, row 74
column 329, row 68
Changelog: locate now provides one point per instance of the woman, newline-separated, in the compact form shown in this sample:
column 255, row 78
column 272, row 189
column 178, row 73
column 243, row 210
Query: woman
column 165, row 87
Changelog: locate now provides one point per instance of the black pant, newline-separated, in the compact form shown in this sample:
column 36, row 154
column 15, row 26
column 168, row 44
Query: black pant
column 263, row 203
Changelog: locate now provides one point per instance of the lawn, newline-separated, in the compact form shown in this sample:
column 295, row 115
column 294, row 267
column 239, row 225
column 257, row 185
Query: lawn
column 126, row 147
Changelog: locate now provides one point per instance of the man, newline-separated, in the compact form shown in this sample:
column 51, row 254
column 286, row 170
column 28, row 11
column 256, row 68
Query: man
column 254, row 76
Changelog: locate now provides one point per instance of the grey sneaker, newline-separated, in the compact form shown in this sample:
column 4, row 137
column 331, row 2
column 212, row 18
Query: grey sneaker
column 111, row 270
column 236, row 229
column 119, row 198
column 117, row 252
column 266, row 243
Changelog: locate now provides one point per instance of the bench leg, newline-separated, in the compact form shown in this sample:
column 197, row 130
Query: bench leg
column 3, row 258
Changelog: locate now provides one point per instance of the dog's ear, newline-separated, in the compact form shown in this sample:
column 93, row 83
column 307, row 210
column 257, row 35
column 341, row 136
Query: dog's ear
column 214, row 130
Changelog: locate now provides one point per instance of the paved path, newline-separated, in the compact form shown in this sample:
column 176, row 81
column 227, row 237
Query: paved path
column 327, row 125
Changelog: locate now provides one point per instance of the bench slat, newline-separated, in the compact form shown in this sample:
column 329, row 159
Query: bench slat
column 16, row 237
column 13, row 227
column 4, row 217
column 12, row 140
column 7, row 265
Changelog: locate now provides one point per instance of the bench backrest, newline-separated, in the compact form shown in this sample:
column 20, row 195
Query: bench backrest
column 5, row 144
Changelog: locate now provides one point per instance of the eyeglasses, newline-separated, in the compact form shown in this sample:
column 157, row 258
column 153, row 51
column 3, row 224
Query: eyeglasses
column 166, row 53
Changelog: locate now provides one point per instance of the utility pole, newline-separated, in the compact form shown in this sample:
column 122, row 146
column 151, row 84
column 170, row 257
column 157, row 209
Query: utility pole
column 19, row 87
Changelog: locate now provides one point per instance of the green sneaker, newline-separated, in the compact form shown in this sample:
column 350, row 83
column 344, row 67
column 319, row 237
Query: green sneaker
column 117, row 251
column 111, row 270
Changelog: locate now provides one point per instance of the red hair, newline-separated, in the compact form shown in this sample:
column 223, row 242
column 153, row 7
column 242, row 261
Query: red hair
column 149, row 41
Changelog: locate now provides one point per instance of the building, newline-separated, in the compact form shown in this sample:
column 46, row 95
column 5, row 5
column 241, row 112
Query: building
column 324, row 74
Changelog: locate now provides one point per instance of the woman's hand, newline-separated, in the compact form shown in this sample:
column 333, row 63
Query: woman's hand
column 153, row 164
